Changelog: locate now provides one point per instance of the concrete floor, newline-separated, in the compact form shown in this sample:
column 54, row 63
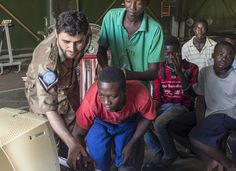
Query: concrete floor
column 12, row 95
column 185, row 162
column 12, row 88
column 191, row 164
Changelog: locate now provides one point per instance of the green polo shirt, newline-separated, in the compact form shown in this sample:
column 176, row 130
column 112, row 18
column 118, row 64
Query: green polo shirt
column 137, row 51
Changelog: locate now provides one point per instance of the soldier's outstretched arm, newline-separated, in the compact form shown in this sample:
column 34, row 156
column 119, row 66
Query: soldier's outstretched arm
column 61, row 130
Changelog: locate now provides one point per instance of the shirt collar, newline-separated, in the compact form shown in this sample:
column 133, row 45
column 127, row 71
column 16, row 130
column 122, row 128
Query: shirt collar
column 208, row 42
column 121, row 17
column 143, row 26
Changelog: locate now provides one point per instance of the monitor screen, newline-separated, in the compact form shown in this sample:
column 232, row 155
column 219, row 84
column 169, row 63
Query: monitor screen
column 26, row 142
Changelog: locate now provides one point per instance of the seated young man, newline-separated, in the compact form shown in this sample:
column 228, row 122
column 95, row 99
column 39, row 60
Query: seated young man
column 174, row 97
column 179, row 128
column 115, row 113
column 216, row 106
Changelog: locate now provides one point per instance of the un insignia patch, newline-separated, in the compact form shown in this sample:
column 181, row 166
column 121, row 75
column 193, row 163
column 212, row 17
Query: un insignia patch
column 48, row 79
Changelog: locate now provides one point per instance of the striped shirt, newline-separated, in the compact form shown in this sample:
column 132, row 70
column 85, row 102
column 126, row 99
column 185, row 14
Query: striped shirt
column 201, row 59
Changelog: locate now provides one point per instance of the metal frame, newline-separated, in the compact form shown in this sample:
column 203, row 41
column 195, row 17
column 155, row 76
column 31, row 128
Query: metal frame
column 10, row 56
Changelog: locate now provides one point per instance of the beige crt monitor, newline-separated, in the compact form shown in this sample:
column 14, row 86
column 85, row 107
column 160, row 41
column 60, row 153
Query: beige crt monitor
column 26, row 142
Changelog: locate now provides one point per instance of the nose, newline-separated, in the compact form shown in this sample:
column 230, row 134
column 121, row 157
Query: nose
column 201, row 29
column 107, row 101
column 71, row 47
column 132, row 6
column 169, row 54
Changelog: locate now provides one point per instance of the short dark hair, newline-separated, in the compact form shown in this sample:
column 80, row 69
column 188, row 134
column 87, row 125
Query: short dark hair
column 72, row 22
column 171, row 41
column 203, row 21
column 220, row 44
column 111, row 75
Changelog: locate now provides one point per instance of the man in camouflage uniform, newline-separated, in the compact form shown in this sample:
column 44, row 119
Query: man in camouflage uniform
column 52, row 87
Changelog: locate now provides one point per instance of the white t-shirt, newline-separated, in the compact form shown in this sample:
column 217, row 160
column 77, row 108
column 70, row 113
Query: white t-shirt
column 219, row 93
column 234, row 63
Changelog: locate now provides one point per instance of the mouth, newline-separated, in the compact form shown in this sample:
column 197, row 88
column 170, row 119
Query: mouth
column 72, row 54
column 108, row 107
column 131, row 13
column 200, row 36
column 222, row 65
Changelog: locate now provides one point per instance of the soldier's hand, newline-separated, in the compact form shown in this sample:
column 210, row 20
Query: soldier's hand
column 75, row 150
column 85, row 163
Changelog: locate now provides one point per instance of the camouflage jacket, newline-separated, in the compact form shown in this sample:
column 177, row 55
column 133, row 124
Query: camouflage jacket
column 64, row 94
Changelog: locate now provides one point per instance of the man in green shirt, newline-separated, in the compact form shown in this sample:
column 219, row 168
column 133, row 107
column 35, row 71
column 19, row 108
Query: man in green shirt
column 135, row 41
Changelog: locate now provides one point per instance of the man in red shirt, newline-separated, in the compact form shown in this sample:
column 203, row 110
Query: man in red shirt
column 115, row 112
column 174, row 96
